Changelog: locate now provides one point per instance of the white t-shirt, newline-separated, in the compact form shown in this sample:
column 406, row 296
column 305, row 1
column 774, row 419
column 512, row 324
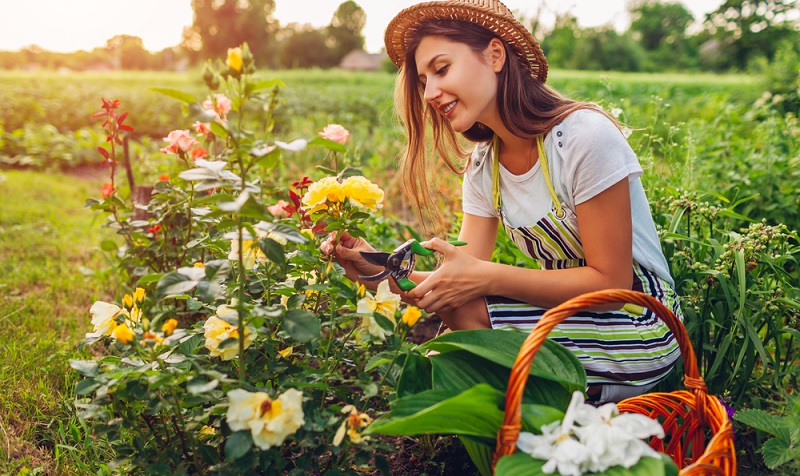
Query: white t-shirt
column 587, row 154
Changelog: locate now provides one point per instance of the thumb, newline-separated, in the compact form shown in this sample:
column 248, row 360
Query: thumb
column 438, row 245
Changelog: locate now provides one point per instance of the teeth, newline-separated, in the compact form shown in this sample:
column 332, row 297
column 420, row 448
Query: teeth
column 449, row 106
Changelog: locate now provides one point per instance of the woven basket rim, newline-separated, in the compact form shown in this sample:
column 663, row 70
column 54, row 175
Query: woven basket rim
column 490, row 14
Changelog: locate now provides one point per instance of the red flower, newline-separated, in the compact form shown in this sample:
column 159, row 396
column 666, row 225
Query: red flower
column 199, row 153
column 163, row 178
column 154, row 229
column 107, row 189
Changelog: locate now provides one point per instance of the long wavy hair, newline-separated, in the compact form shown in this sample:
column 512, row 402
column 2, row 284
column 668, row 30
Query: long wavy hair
column 527, row 107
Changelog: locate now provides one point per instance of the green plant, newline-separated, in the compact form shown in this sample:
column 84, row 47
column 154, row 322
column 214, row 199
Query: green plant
column 783, row 447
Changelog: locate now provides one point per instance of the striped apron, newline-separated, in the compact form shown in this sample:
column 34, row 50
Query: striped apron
column 626, row 351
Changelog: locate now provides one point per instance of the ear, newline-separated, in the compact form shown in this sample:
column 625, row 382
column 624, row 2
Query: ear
column 496, row 54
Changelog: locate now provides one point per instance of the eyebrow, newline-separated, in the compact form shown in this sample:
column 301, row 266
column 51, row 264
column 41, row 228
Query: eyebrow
column 433, row 60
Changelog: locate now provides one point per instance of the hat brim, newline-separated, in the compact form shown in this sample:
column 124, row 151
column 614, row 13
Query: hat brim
column 403, row 27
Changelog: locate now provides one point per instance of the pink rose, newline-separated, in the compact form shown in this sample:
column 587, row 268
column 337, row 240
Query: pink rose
column 179, row 141
column 279, row 209
column 335, row 133
column 202, row 128
column 220, row 104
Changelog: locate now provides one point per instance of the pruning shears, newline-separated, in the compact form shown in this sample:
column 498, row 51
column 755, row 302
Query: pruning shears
column 399, row 263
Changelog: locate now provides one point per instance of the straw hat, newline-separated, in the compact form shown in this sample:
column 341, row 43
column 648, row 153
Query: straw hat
column 490, row 14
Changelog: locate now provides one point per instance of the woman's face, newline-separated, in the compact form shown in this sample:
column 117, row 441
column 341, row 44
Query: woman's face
column 459, row 83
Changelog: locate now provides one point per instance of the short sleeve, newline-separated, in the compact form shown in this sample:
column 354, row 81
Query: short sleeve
column 476, row 199
column 596, row 155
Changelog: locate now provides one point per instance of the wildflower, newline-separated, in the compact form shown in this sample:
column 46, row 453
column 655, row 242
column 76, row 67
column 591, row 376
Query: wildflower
column 270, row 421
column 363, row 193
column 163, row 178
column 335, row 133
column 234, row 60
column 179, row 141
column 411, row 315
column 285, row 353
column 350, row 426
column 385, row 303
column 169, row 327
column 279, row 209
column 107, row 189
column 616, row 112
column 218, row 330
column 123, row 334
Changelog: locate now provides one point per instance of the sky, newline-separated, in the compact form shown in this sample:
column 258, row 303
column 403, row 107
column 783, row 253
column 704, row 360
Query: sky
column 72, row 25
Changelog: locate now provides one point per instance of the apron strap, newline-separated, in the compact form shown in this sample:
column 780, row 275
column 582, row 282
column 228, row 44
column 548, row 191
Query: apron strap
column 545, row 170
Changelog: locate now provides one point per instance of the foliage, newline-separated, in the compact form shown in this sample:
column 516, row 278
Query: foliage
column 782, row 448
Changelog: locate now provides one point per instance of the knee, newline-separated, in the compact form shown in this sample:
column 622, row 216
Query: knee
column 472, row 315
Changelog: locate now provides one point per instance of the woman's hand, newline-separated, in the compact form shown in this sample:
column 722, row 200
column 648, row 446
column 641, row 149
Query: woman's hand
column 348, row 255
column 456, row 282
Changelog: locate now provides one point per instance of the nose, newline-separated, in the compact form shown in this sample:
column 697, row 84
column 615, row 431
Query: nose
column 432, row 91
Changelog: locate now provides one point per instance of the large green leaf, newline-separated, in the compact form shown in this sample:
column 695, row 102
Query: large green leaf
column 552, row 362
column 480, row 454
column 521, row 464
column 416, row 375
column 762, row 421
column 777, row 451
column 459, row 370
column 471, row 413
column 302, row 325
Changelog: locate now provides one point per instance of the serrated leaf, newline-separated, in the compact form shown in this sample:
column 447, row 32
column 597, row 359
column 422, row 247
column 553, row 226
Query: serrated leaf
column 302, row 325
column 87, row 368
column 777, row 451
column 175, row 94
column 761, row 420
column 238, row 444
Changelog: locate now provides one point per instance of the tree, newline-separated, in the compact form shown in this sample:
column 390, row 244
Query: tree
column 346, row 29
column 128, row 52
column 661, row 30
column 559, row 45
column 304, row 47
column 747, row 29
column 223, row 24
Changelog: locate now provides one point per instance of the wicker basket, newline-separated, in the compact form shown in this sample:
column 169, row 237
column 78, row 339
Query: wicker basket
column 699, row 435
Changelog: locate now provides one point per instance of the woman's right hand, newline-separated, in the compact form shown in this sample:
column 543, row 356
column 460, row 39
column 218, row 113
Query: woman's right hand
column 348, row 255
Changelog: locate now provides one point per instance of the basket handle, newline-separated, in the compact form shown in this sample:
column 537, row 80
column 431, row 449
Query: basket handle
column 510, row 429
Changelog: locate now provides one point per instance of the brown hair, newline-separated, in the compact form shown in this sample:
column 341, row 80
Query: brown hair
column 527, row 107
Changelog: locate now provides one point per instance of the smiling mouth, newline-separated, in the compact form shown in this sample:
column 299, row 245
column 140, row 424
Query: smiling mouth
column 449, row 107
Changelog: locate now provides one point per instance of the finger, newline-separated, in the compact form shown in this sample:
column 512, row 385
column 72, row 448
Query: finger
column 438, row 245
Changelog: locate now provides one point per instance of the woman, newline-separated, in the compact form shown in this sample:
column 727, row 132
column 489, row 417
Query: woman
column 557, row 174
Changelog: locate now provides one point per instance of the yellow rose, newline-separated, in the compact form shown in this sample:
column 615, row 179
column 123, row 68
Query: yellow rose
column 234, row 60
column 217, row 330
column 104, row 317
column 322, row 194
column 363, row 193
column 169, row 327
column 269, row 421
column 385, row 302
column 411, row 315
column 123, row 334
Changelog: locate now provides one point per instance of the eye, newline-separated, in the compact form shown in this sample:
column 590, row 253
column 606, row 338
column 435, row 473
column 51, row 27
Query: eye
column 443, row 69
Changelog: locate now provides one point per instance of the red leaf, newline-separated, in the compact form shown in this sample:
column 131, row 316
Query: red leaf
column 103, row 152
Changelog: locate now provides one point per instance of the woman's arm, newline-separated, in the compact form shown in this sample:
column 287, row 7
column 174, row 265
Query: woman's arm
column 606, row 234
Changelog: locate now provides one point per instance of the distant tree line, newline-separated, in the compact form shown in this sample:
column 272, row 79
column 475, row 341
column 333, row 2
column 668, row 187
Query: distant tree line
column 663, row 36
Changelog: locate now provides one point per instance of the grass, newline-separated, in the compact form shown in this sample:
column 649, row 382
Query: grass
column 47, row 247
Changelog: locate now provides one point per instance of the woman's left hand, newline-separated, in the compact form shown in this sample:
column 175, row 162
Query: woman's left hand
column 456, row 282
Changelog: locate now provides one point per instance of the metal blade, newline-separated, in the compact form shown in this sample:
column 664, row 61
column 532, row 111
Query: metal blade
column 376, row 277
column 376, row 257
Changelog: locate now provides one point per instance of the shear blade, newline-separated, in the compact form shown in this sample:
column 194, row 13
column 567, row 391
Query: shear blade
column 376, row 257
column 376, row 277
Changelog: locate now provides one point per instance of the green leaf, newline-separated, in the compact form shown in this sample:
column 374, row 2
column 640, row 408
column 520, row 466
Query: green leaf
column 87, row 368
column 273, row 250
column 777, row 451
column 108, row 245
column 238, row 444
column 302, row 325
column 264, row 84
column 328, row 144
column 383, row 321
column 218, row 270
column 761, row 420
column 459, row 370
column 376, row 361
column 535, row 416
column 474, row 412
column 86, row 386
column 522, row 464
column 174, row 283
column 480, row 454
column 175, row 94
column 553, row 361
column 416, row 375
column 199, row 385
column 285, row 231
